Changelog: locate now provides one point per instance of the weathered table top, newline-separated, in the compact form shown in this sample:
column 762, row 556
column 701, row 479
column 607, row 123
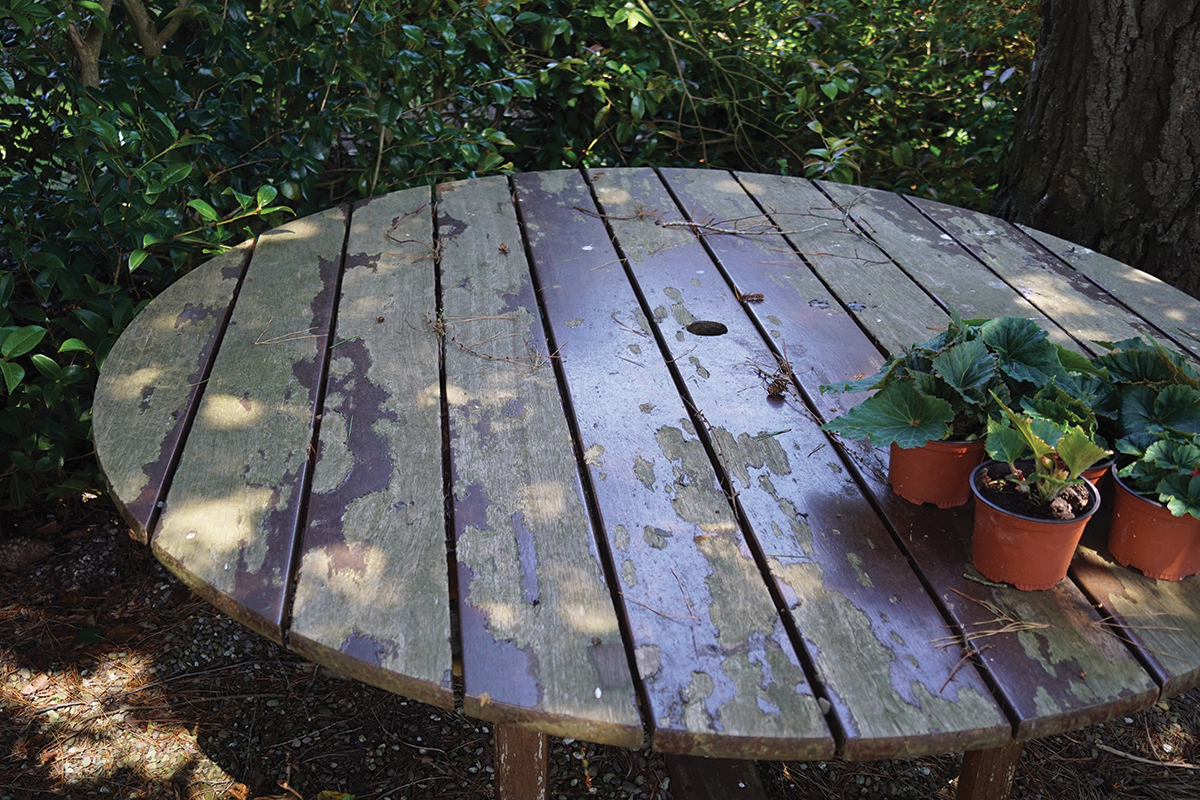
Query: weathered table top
column 474, row 428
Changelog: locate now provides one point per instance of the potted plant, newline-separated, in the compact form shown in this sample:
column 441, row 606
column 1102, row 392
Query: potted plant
column 932, row 402
column 1156, row 509
column 1032, row 503
column 1156, row 502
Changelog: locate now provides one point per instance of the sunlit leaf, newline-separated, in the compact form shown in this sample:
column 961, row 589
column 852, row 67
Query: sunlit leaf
column 73, row 345
column 897, row 414
column 22, row 340
column 13, row 375
column 207, row 212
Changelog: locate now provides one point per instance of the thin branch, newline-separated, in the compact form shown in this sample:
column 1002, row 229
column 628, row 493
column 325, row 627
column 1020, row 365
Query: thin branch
column 1140, row 760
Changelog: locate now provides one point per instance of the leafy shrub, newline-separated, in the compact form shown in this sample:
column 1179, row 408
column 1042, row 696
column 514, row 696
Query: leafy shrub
column 131, row 148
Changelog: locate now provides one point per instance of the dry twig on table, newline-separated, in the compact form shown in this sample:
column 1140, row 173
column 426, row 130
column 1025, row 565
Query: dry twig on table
column 440, row 326
column 968, row 652
column 1010, row 624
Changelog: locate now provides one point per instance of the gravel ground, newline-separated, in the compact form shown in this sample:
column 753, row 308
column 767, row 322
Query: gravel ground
column 116, row 681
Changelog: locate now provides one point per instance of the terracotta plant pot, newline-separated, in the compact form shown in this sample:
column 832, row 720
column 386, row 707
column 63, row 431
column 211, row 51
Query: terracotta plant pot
column 1147, row 536
column 1027, row 552
column 937, row 473
column 1099, row 472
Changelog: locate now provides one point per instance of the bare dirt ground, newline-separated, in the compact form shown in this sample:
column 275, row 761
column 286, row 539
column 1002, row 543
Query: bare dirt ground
column 115, row 681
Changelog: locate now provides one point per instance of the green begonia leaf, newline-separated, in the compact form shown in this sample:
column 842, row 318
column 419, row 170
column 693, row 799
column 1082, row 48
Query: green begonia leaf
column 968, row 368
column 1004, row 443
column 1139, row 362
column 1075, row 362
column 877, row 381
column 1144, row 411
column 1024, row 352
column 1174, row 456
column 1078, row 451
column 899, row 414
column 1181, row 493
column 1178, row 408
column 1046, row 430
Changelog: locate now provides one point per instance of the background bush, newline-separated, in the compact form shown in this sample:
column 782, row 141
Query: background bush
column 252, row 111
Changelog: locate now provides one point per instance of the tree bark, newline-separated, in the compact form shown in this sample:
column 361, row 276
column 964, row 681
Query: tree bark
column 87, row 46
column 1106, row 151
column 146, row 27
column 89, row 43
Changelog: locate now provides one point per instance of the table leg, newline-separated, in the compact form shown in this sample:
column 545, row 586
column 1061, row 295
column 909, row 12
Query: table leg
column 697, row 778
column 988, row 774
column 521, row 763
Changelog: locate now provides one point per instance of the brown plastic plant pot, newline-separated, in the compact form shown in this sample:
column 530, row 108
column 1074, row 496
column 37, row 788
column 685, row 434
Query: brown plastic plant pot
column 938, row 472
column 1097, row 473
column 1027, row 552
column 1145, row 535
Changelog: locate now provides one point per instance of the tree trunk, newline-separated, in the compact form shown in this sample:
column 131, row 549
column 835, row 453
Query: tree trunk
column 1106, row 151
column 88, row 45
column 146, row 28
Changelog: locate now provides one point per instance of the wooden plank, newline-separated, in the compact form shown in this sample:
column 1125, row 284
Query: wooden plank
column 868, row 284
column 372, row 593
column 541, row 641
column 521, row 763
column 1158, row 617
column 1061, row 669
column 151, row 380
column 1030, row 669
column 1175, row 314
column 229, row 523
column 1075, row 303
column 862, row 612
column 719, row 678
column 989, row 774
column 935, row 261
column 831, row 345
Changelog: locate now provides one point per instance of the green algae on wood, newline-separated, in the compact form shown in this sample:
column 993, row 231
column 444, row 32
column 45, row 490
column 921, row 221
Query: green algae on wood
column 772, row 454
column 230, row 518
column 372, row 582
column 151, row 379
column 541, row 640
column 703, row 694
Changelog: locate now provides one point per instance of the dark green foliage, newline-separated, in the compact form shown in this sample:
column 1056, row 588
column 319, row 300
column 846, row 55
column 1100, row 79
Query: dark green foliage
column 254, row 111
column 954, row 385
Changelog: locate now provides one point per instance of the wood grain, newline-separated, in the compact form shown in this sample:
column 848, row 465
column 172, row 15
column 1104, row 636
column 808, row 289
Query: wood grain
column 1031, row 668
column 541, row 641
column 1077, row 304
column 1175, row 314
column 639, row 527
column 847, row 586
column 989, row 774
column 151, row 380
column 521, row 763
column 1159, row 618
column 719, row 676
column 935, row 260
column 372, row 591
column 867, row 283
column 230, row 518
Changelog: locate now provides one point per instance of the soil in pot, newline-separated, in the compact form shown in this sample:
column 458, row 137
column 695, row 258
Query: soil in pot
column 1068, row 504
column 1028, row 552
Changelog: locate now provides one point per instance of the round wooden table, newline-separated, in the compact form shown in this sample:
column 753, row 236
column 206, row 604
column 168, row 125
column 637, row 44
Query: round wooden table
column 558, row 434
